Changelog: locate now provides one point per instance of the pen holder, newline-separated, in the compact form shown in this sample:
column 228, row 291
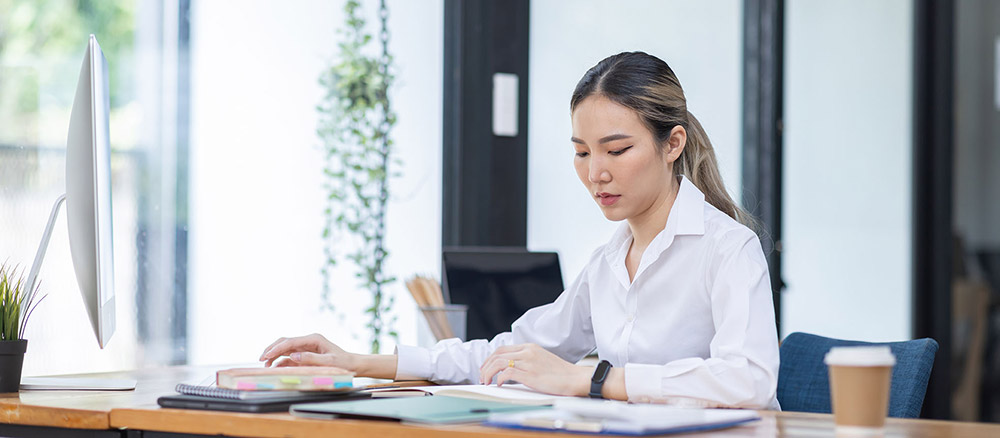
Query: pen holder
column 446, row 321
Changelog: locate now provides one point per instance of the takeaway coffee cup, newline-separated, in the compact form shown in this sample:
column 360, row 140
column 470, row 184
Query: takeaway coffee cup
column 859, row 386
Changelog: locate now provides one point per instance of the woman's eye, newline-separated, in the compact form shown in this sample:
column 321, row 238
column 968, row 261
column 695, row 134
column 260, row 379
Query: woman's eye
column 620, row 151
column 582, row 154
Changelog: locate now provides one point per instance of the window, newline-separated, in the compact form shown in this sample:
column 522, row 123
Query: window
column 41, row 52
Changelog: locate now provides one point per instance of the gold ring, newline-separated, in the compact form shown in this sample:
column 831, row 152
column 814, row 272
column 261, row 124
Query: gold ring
column 510, row 363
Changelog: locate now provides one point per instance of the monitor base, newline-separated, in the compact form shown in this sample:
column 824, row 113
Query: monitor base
column 76, row 384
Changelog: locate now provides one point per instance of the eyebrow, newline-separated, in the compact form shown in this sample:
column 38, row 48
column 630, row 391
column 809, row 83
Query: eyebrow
column 605, row 139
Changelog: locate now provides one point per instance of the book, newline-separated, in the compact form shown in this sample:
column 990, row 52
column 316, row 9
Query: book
column 286, row 378
column 621, row 418
column 511, row 393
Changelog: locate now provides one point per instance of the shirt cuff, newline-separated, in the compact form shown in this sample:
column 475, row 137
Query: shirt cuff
column 642, row 382
column 412, row 363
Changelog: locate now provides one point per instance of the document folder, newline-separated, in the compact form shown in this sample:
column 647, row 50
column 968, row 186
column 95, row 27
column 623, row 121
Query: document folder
column 439, row 409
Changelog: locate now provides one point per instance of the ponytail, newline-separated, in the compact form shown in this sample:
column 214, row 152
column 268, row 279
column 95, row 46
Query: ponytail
column 697, row 162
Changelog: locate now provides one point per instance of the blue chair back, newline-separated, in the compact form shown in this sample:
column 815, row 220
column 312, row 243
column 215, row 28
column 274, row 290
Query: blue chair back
column 804, row 383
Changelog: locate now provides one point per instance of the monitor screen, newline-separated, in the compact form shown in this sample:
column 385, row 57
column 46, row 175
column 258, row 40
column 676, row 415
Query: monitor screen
column 88, row 192
column 499, row 285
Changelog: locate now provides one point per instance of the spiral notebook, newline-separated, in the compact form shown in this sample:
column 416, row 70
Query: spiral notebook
column 271, row 403
column 234, row 394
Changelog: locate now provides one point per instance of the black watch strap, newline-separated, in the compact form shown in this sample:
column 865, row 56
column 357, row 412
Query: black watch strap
column 600, row 375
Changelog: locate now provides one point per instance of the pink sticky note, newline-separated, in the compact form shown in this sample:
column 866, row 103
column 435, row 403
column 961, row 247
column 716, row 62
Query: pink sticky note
column 322, row 381
column 245, row 386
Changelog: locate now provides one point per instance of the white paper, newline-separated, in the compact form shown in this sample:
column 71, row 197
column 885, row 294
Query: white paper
column 513, row 393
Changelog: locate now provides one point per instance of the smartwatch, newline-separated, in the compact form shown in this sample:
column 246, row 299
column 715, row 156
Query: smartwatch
column 600, row 375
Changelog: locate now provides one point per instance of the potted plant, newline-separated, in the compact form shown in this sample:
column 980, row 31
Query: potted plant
column 355, row 118
column 16, row 305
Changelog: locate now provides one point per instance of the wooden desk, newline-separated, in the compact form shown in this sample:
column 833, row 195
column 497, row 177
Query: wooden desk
column 92, row 409
column 129, row 413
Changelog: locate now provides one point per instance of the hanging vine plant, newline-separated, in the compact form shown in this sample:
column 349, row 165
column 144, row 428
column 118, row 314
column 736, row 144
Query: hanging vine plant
column 355, row 118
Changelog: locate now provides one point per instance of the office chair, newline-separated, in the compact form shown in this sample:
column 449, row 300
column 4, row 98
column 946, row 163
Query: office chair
column 804, row 385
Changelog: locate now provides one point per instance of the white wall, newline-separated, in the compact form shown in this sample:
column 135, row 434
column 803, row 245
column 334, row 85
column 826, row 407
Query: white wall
column 847, row 169
column 256, row 173
column 702, row 43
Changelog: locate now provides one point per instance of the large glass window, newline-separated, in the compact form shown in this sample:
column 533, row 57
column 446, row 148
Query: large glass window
column 42, row 44
column 257, row 197
column 217, row 173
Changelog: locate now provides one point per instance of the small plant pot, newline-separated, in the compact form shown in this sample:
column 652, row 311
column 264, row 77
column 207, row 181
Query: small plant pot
column 11, row 360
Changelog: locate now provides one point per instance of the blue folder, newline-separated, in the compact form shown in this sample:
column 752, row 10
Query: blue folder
column 623, row 419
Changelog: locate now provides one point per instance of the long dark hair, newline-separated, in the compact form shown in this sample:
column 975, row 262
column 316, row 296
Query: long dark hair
column 647, row 85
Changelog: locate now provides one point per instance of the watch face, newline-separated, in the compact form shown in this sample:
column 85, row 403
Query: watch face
column 601, row 372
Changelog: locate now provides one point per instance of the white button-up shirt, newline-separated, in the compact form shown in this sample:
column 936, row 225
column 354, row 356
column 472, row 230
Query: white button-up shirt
column 694, row 327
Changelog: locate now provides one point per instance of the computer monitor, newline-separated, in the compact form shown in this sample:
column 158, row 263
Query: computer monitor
column 498, row 284
column 88, row 196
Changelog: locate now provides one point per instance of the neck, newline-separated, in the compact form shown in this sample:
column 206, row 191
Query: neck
column 646, row 225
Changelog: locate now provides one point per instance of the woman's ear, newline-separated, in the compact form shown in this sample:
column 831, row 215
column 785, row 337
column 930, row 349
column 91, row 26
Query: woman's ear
column 675, row 144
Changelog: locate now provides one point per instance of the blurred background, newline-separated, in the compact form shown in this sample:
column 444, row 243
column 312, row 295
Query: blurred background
column 866, row 136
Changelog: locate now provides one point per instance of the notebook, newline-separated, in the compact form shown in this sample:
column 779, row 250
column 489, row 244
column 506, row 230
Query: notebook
column 268, row 404
column 432, row 410
column 620, row 418
column 233, row 394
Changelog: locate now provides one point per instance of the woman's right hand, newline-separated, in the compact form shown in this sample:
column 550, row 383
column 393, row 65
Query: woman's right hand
column 313, row 350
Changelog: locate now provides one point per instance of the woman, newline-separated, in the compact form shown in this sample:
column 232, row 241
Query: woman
column 677, row 303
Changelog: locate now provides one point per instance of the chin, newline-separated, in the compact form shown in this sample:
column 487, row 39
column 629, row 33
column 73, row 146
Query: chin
column 613, row 214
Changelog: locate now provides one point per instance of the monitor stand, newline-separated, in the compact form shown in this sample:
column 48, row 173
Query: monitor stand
column 44, row 244
column 65, row 383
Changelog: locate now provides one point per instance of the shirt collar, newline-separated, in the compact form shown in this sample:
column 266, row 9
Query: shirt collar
column 689, row 209
column 687, row 217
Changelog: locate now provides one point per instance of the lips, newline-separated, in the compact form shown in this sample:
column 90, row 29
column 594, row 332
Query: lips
column 607, row 199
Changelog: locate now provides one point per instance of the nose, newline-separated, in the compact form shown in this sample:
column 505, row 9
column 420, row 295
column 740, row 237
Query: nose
column 599, row 172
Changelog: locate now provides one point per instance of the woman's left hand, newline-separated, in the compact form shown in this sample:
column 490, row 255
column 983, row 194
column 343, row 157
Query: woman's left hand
column 537, row 368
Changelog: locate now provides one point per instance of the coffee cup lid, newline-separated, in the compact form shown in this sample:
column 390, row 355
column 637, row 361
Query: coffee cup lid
column 860, row 356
